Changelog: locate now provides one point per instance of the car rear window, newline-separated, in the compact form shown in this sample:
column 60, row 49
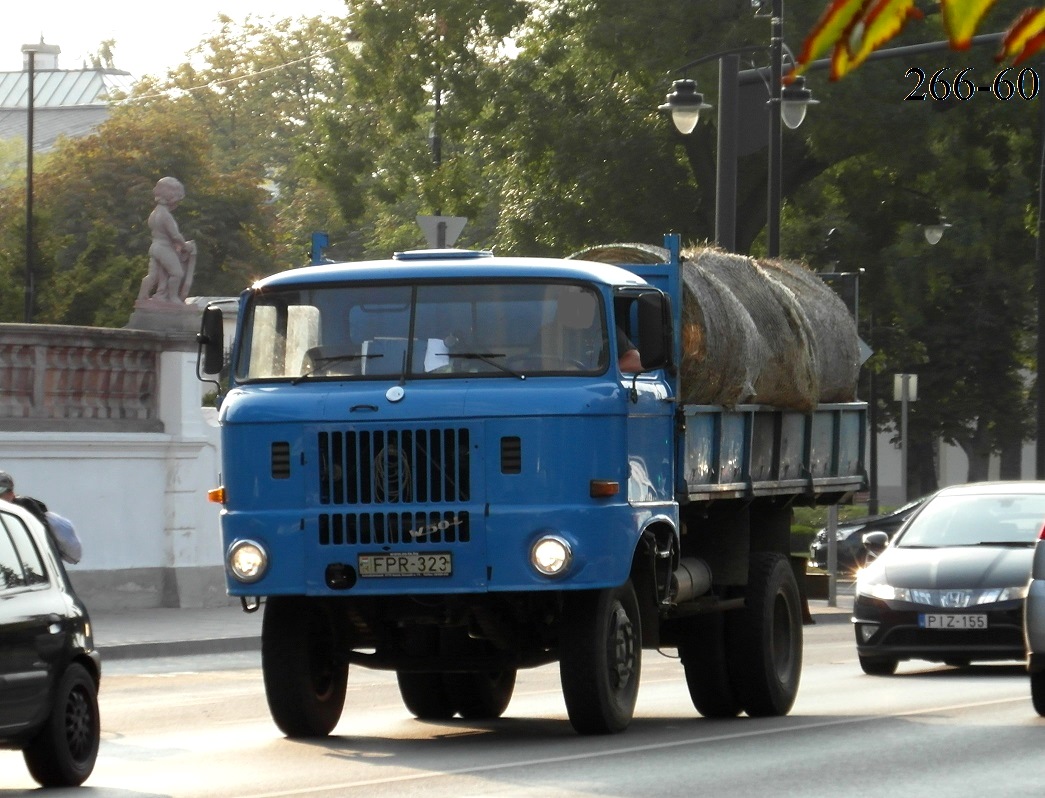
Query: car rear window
column 20, row 562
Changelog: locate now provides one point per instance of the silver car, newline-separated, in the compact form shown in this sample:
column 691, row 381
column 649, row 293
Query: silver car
column 1034, row 626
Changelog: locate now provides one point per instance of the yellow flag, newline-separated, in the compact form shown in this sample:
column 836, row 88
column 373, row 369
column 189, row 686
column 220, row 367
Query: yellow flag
column 961, row 18
column 830, row 29
column 881, row 21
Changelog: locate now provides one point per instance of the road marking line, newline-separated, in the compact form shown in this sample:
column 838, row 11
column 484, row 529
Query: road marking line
column 631, row 750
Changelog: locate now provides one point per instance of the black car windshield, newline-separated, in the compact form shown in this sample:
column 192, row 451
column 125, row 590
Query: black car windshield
column 377, row 331
column 976, row 520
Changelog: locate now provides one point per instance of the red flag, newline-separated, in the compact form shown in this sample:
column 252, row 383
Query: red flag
column 1024, row 37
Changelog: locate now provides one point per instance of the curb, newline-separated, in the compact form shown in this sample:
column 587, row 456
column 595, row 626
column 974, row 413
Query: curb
column 179, row 648
column 235, row 645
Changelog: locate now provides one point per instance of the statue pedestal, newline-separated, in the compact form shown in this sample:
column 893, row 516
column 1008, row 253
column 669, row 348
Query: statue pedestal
column 157, row 315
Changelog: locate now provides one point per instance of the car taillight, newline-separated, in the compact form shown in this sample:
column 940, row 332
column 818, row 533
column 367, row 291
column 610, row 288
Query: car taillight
column 1041, row 535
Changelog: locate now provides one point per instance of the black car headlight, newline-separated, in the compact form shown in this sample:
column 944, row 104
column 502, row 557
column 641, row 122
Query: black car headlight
column 872, row 584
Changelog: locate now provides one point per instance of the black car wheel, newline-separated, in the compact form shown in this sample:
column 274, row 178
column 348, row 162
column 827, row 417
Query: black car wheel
column 1037, row 692
column 64, row 751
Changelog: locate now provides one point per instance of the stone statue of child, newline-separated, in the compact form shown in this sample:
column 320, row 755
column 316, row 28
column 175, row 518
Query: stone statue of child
column 172, row 259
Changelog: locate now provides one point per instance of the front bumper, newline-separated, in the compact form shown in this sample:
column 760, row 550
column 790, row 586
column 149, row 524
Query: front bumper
column 892, row 630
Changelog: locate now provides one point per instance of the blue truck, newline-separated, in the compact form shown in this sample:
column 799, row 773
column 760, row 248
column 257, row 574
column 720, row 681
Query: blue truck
column 434, row 464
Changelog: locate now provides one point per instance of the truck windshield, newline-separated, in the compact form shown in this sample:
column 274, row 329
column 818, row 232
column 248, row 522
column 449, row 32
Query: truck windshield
column 447, row 330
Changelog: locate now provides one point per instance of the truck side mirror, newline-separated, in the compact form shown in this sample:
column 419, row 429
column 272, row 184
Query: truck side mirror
column 655, row 331
column 210, row 338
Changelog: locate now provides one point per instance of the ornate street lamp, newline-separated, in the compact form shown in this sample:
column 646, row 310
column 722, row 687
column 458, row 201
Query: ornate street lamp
column 785, row 105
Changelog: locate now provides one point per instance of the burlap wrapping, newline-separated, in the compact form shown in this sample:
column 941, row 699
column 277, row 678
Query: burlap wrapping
column 832, row 329
column 766, row 332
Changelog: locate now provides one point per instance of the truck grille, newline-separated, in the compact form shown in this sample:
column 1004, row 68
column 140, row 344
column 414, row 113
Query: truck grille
column 425, row 466
column 420, row 528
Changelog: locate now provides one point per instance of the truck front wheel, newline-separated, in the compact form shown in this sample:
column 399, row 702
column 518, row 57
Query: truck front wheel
column 765, row 649
column 600, row 658
column 305, row 680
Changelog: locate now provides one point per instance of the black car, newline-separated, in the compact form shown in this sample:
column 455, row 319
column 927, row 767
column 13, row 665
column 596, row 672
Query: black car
column 951, row 586
column 851, row 552
column 49, row 668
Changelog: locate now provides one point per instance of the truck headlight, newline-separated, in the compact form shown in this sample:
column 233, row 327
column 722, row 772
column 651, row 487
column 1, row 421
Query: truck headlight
column 551, row 555
column 247, row 560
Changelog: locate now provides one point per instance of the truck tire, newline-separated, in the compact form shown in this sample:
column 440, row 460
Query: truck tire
column 702, row 650
column 64, row 751
column 425, row 695
column 765, row 651
column 305, row 679
column 481, row 696
column 600, row 658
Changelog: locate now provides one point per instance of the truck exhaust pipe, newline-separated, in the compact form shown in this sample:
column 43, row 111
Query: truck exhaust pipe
column 691, row 579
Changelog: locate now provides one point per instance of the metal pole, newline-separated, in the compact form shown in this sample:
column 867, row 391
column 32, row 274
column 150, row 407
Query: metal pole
column 872, row 445
column 30, row 287
column 904, row 397
column 728, row 130
column 776, row 42
column 832, row 555
column 1039, row 460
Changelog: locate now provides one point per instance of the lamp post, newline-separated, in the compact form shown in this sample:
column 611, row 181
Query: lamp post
column 776, row 69
column 30, row 289
column 785, row 106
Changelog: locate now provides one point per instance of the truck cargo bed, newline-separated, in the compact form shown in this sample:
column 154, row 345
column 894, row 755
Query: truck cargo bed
column 754, row 450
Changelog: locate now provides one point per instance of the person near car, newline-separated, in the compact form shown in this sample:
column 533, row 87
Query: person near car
column 61, row 529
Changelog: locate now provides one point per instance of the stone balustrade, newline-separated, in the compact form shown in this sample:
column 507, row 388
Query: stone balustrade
column 62, row 378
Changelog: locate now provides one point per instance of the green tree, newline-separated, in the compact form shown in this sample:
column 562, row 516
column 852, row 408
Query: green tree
column 378, row 156
column 91, row 205
column 261, row 89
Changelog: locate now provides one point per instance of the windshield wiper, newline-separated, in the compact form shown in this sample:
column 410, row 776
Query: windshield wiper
column 1009, row 543
column 487, row 357
column 321, row 362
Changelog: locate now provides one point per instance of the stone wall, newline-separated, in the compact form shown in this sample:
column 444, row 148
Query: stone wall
column 105, row 427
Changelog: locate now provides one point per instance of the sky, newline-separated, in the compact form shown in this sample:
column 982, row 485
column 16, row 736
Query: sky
column 150, row 37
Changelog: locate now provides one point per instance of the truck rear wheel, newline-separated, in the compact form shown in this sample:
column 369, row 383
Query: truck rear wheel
column 425, row 695
column 765, row 651
column 600, row 658
column 305, row 680
column 481, row 696
column 703, row 652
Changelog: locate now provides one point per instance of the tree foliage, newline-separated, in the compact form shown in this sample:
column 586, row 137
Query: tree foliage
column 544, row 113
